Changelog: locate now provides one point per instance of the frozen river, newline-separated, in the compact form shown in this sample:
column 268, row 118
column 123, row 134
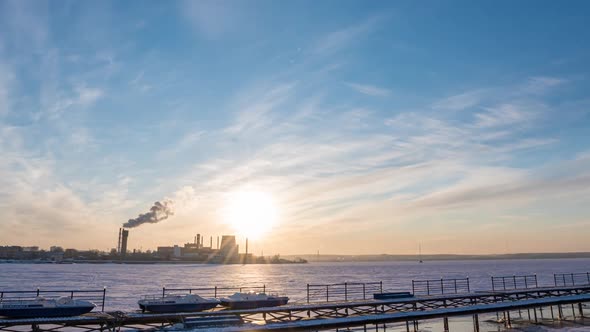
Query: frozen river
column 126, row 282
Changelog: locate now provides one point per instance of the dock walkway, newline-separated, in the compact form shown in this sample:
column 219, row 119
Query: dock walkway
column 321, row 316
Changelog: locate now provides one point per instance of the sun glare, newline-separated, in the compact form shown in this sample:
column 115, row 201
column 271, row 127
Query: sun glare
column 251, row 213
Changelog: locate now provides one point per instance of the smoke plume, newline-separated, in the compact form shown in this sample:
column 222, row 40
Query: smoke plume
column 158, row 212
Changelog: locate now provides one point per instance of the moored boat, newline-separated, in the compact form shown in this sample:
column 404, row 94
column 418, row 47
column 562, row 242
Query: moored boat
column 253, row 300
column 42, row 307
column 176, row 303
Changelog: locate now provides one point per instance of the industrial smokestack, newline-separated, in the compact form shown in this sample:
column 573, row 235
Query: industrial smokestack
column 158, row 212
column 217, row 242
column 211, row 242
column 198, row 241
column 123, row 235
column 246, row 247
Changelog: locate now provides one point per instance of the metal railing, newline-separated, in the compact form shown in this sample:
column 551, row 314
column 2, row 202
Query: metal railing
column 514, row 282
column 440, row 286
column 571, row 279
column 212, row 291
column 97, row 297
column 343, row 291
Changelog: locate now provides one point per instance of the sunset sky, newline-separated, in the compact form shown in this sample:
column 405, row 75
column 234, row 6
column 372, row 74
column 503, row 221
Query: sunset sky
column 348, row 127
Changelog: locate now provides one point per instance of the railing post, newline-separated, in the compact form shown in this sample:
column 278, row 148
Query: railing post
column 104, row 296
column 37, row 291
column 588, row 277
column 526, row 285
column 442, row 287
column 381, row 285
column 72, row 294
column 307, row 293
column 468, row 287
column 345, row 291
column 215, row 292
column 364, row 292
column 164, row 291
column 264, row 288
column 327, row 293
column 413, row 290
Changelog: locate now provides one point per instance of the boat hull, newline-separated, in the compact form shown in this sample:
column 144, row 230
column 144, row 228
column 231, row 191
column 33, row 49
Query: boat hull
column 177, row 307
column 253, row 304
column 45, row 312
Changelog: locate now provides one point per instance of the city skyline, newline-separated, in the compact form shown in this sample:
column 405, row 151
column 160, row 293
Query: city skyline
column 461, row 126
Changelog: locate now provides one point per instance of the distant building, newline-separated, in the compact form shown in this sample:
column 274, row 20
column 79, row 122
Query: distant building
column 10, row 252
column 31, row 249
column 228, row 251
column 165, row 252
column 56, row 249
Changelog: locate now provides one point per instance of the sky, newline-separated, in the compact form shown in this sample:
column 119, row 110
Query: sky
column 366, row 127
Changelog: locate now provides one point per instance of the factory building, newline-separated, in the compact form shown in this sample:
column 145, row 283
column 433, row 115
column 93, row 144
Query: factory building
column 226, row 252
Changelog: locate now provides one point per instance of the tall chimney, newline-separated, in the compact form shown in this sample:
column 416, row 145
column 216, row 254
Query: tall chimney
column 218, row 242
column 124, row 234
column 198, row 240
column 119, row 241
column 246, row 247
column 211, row 242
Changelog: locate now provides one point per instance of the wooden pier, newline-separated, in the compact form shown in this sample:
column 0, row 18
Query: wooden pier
column 442, row 298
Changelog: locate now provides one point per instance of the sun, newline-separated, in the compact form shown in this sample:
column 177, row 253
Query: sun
column 251, row 213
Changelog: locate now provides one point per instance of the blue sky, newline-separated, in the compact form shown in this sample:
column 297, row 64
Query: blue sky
column 372, row 125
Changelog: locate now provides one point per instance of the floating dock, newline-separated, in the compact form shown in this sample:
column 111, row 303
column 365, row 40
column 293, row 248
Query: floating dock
column 430, row 299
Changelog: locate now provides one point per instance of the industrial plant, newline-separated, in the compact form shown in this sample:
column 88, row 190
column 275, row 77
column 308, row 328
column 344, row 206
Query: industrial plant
column 225, row 252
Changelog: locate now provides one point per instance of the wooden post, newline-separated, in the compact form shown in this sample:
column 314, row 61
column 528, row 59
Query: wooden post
column 475, row 323
column 560, row 312
column 552, row 316
column 308, row 298
column 446, row 324
column 535, row 313
column 580, row 308
column 327, row 293
column 573, row 311
column 407, row 326
column 509, row 321
column 528, row 311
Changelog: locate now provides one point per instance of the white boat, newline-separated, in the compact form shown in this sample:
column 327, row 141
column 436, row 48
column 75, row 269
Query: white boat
column 253, row 300
column 176, row 303
column 42, row 307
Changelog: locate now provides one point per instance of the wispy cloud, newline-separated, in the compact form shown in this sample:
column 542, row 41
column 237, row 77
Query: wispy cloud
column 461, row 101
column 541, row 84
column 504, row 114
column 369, row 90
column 339, row 39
